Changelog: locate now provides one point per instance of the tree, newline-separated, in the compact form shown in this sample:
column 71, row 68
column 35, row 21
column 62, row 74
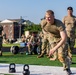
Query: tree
column 33, row 28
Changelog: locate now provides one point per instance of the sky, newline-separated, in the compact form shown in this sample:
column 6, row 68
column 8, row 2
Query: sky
column 34, row 10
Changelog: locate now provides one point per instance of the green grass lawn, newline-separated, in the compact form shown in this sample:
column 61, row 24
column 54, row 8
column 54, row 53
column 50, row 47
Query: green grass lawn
column 9, row 45
column 31, row 60
column 8, row 74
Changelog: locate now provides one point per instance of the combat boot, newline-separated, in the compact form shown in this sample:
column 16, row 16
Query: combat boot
column 40, row 56
column 68, row 71
column 0, row 53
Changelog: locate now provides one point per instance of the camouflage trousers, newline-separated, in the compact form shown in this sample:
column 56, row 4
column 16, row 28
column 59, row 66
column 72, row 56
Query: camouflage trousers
column 54, row 56
column 0, row 43
column 63, row 57
column 29, row 48
column 45, row 47
column 61, row 54
column 71, row 39
column 71, row 42
column 0, row 46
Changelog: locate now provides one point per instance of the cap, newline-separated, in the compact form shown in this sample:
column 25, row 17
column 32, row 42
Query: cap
column 70, row 8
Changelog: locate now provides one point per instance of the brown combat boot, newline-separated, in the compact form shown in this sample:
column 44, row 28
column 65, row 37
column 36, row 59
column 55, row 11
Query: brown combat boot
column 0, row 53
column 40, row 56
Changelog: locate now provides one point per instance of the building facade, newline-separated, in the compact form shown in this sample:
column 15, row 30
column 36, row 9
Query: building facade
column 11, row 28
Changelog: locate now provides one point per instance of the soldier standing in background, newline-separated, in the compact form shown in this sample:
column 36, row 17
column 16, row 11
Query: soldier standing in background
column 70, row 24
column 56, row 34
column 1, row 38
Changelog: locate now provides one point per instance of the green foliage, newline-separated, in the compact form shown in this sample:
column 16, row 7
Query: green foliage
column 33, row 28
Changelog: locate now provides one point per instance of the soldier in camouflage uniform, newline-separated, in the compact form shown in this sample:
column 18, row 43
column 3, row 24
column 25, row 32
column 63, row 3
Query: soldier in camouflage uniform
column 23, row 37
column 44, row 48
column 35, row 42
column 1, row 29
column 40, row 36
column 28, row 43
column 70, row 24
column 56, row 34
column 45, row 43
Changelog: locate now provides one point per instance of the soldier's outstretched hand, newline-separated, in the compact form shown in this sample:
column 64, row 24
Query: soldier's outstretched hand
column 51, row 52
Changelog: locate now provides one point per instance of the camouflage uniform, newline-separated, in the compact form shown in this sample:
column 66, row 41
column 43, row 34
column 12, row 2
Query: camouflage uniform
column 28, row 43
column 45, row 43
column 23, row 38
column 53, row 36
column 70, row 24
column 40, row 46
column 1, row 28
column 35, row 42
column 44, row 47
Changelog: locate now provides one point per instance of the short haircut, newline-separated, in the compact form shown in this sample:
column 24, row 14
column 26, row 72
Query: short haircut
column 50, row 12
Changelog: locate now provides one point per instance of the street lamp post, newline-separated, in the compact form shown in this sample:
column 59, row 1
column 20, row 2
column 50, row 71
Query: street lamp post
column 20, row 31
column 20, row 25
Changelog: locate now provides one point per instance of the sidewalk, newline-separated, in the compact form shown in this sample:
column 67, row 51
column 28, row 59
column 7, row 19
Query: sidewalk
column 35, row 70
